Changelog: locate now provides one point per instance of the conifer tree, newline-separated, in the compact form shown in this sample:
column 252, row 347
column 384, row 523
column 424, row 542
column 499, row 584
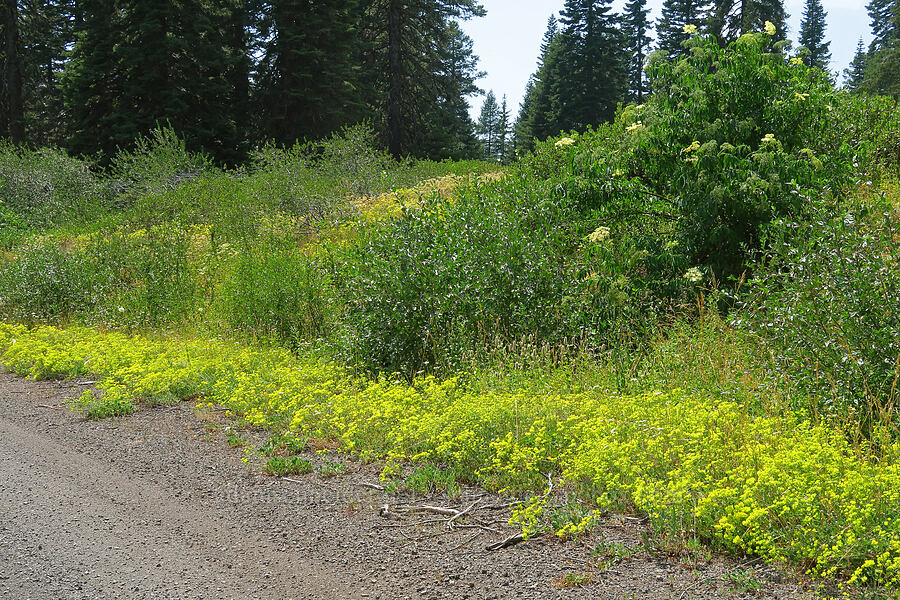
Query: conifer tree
column 882, row 71
column 139, row 64
column 635, row 25
column 449, row 131
column 854, row 74
column 12, row 123
column 309, row 84
column 676, row 15
column 505, row 151
column 812, row 35
column 593, row 73
column 729, row 19
column 407, row 42
column 885, row 22
column 537, row 110
column 489, row 126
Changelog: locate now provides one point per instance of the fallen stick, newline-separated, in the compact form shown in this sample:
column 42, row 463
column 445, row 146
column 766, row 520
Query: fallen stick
column 510, row 541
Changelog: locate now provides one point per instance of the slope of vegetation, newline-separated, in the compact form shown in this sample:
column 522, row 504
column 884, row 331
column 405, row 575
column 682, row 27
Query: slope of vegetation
column 690, row 313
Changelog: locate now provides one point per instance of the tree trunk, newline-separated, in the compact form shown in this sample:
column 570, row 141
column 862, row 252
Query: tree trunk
column 395, row 78
column 13, row 72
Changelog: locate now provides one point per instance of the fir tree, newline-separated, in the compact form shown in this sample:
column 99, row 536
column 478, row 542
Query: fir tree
column 12, row 123
column 309, row 85
column 882, row 71
column 854, row 74
column 812, row 35
column 593, row 72
column 138, row 64
column 885, row 22
column 407, row 41
column 450, row 132
column 729, row 19
column 635, row 25
column 505, row 150
column 676, row 15
column 536, row 105
column 489, row 126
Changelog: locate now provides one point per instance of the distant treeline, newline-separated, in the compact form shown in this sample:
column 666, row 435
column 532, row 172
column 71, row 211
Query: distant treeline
column 230, row 75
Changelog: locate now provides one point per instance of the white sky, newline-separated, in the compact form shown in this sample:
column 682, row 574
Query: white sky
column 508, row 39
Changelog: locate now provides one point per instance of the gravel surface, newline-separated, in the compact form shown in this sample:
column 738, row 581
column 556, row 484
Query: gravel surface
column 158, row 505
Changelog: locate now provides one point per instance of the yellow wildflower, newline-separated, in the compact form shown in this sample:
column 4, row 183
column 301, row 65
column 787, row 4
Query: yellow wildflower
column 635, row 126
column 796, row 61
column 689, row 29
column 769, row 138
column 695, row 145
column 566, row 141
column 800, row 96
column 770, row 28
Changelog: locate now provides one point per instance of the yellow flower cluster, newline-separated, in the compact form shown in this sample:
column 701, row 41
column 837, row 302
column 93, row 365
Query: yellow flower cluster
column 778, row 487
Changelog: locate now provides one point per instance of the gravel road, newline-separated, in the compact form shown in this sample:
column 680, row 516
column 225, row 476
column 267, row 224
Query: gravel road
column 157, row 505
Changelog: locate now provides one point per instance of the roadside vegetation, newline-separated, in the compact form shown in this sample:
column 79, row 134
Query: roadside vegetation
column 691, row 313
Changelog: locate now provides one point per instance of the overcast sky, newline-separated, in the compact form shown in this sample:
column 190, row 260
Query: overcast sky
column 508, row 38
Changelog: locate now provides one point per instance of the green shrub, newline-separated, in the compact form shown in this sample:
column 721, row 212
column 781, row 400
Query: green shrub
column 449, row 277
column 275, row 290
column 159, row 162
column 871, row 126
column 826, row 300
column 40, row 188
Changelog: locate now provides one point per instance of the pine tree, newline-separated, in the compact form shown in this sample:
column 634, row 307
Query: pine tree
column 676, row 15
column 635, row 25
column 139, row 64
column 882, row 71
column 46, row 31
column 407, row 42
column 593, row 74
column 488, row 126
column 309, row 85
column 505, row 149
column 853, row 75
column 536, row 104
column 729, row 19
column 885, row 22
column 812, row 35
column 12, row 123
column 450, row 132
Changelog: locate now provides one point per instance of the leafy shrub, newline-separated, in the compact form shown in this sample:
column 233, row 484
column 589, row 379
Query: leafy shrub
column 871, row 126
column 274, row 290
column 447, row 277
column 43, row 283
column 731, row 139
column 159, row 162
column 826, row 300
column 39, row 188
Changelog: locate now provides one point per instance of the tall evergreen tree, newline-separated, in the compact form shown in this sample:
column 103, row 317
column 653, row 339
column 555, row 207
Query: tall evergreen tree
column 12, row 123
column 729, row 19
column 46, row 32
column 812, row 35
column 854, row 74
column 505, row 151
column 593, row 75
column 489, row 126
column 885, row 22
column 676, row 15
column 882, row 73
column 449, row 130
column 407, row 46
column 309, row 83
column 138, row 64
column 537, row 110
column 635, row 25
